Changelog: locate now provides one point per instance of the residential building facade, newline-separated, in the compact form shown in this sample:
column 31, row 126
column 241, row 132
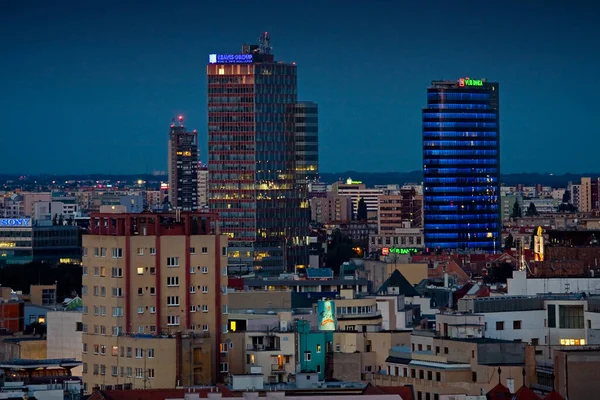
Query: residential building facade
column 154, row 295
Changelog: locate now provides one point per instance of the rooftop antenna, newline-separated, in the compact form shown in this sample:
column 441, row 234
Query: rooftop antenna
column 264, row 43
column 180, row 120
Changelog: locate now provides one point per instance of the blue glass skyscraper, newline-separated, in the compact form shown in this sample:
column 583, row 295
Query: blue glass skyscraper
column 461, row 165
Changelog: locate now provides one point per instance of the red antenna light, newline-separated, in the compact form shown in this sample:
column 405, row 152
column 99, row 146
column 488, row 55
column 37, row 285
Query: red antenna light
column 180, row 117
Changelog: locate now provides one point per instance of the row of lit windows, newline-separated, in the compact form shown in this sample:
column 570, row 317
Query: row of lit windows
column 457, row 134
column 469, row 207
column 461, row 143
column 469, row 190
column 486, row 226
column 434, row 106
column 445, row 96
column 453, row 115
column 460, row 236
column 451, row 124
column 452, row 161
column 462, row 217
column 475, row 152
column 459, row 180
column 461, row 171
column 443, row 198
column 481, row 245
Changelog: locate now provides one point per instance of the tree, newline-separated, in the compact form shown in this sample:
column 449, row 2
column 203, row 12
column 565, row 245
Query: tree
column 516, row 212
column 340, row 249
column 531, row 210
column 566, row 207
column 509, row 242
column 54, row 219
column 361, row 212
column 566, row 197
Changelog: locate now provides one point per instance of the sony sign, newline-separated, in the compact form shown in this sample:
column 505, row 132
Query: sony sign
column 15, row 222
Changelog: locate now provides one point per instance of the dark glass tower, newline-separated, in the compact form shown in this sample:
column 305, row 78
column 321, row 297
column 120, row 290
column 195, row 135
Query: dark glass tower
column 461, row 165
column 252, row 160
column 183, row 167
column 306, row 118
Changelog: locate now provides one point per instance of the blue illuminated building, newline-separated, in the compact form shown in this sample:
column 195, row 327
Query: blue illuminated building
column 461, row 165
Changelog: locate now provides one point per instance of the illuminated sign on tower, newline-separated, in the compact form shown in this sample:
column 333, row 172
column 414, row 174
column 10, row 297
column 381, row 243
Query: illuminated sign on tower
column 462, row 82
column 230, row 58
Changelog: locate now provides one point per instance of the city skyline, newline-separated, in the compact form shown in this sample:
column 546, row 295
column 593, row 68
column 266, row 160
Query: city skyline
column 111, row 88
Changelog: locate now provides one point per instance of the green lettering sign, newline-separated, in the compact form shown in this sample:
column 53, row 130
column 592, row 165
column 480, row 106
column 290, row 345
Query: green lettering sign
column 397, row 250
column 473, row 82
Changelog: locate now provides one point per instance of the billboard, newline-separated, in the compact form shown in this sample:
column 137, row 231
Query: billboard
column 326, row 315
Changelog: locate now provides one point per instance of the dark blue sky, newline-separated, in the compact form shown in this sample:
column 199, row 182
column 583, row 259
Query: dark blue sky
column 91, row 86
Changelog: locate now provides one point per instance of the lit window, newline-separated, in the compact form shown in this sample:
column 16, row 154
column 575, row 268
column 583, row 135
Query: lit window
column 140, row 270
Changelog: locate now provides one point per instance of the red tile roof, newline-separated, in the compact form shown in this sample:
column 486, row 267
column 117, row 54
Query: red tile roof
column 405, row 392
column 499, row 392
column 526, row 394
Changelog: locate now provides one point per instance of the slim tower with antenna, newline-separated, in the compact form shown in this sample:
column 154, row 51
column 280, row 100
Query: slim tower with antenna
column 264, row 43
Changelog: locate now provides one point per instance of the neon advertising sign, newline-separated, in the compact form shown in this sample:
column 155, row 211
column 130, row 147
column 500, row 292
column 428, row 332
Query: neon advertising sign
column 386, row 251
column 230, row 58
column 462, row 82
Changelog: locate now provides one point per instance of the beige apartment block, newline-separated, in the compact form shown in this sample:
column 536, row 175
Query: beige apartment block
column 358, row 355
column 155, row 284
column 64, row 336
column 272, row 353
column 585, row 195
column 437, row 365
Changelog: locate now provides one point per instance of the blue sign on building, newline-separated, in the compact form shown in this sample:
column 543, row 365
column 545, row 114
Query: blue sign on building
column 230, row 58
column 15, row 221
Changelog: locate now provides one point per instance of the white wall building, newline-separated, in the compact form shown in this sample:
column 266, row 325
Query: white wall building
column 64, row 336
column 519, row 285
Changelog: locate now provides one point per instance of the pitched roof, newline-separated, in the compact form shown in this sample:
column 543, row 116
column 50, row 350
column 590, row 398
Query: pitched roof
column 399, row 281
column 405, row 392
column 499, row 392
column 524, row 393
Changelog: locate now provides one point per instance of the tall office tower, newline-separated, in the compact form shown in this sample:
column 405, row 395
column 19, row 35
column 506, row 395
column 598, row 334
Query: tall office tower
column 461, row 165
column 306, row 119
column 154, row 288
column 183, row 167
column 252, row 159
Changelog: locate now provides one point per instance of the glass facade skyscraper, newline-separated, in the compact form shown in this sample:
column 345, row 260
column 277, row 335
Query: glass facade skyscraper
column 252, row 160
column 461, row 165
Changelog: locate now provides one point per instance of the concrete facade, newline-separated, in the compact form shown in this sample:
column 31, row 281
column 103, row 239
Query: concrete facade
column 64, row 336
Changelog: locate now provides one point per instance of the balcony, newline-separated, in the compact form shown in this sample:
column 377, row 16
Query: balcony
column 262, row 347
column 277, row 369
column 367, row 315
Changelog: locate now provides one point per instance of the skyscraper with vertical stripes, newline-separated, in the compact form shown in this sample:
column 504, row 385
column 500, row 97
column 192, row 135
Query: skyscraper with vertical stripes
column 252, row 160
column 461, row 165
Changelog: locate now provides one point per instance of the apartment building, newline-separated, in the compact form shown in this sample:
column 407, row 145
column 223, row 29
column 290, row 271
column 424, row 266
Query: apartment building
column 438, row 364
column 332, row 207
column 154, row 289
column 400, row 210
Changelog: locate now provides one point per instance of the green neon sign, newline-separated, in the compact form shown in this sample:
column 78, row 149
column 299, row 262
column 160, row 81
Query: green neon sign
column 399, row 250
column 470, row 82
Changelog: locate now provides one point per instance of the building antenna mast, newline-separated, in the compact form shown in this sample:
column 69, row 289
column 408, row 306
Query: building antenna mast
column 264, row 43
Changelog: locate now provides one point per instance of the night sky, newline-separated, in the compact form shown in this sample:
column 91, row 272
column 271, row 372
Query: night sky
column 92, row 86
